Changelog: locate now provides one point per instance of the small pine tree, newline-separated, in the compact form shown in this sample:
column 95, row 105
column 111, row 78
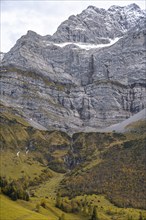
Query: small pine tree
column 94, row 215
column 62, row 217
column 43, row 203
column 14, row 196
column 26, row 196
column 58, row 201
column 130, row 217
column 90, row 210
column 140, row 216
column 37, row 207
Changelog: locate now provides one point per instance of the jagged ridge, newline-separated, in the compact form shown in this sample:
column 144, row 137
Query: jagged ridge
column 72, row 89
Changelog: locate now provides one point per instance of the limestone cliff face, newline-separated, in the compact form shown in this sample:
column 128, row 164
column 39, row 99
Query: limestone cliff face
column 96, row 25
column 77, row 86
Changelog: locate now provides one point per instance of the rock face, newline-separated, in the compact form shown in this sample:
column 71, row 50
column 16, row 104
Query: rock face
column 77, row 86
column 96, row 25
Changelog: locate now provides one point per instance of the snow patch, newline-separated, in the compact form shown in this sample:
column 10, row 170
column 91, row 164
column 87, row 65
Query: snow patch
column 18, row 153
column 27, row 151
column 87, row 46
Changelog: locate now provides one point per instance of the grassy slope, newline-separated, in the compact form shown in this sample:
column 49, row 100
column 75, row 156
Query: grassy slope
column 15, row 134
column 47, row 147
column 22, row 210
column 15, row 167
column 11, row 210
column 90, row 149
column 118, row 171
column 107, row 210
column 50, row 187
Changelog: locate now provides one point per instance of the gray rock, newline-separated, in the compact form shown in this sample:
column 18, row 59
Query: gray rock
column 95, row 25
column 73, row 89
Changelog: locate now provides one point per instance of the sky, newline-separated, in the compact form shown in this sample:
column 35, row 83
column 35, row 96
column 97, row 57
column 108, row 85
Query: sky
column 43, row 16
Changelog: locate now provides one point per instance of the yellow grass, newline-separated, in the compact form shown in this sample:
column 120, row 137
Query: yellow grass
column 10, row 210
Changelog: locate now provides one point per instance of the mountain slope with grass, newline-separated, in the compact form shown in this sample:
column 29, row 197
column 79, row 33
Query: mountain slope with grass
column 114, row 165
column 7, row 207
column 72, row 120
column 52, row 165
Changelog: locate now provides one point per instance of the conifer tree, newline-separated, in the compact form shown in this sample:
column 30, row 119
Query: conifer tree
column 140, row 216
column 62, row 217
column 94, row 215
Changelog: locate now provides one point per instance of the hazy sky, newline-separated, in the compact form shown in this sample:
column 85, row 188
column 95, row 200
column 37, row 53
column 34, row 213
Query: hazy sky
column 43, row 16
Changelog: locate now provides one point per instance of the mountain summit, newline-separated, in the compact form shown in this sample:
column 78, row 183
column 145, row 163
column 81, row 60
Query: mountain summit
column 95, row 25
column 89, row 75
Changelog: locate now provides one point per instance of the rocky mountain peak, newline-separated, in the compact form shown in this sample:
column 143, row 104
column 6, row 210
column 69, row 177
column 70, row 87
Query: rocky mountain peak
column 132, row 7
column 94, row 23
column 91, row 7
column 31, row 33
column 94, row 10
column 88, row 75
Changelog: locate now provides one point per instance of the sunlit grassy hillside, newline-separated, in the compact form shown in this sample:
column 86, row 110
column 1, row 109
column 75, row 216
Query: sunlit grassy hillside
column 71, row 176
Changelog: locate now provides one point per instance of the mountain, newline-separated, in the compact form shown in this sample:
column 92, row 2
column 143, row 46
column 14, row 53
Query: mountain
column 117, row 171
column 74, row 84
column 73, row 120
column 106, row 163
column 95, row 25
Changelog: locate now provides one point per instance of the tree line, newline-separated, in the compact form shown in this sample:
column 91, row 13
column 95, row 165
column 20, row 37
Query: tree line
column 15, row 189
